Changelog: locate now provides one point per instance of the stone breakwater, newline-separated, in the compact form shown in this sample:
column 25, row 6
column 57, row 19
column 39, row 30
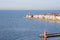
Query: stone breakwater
column 44, row 16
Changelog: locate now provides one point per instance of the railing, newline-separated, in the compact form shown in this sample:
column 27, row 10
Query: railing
column 45, row 35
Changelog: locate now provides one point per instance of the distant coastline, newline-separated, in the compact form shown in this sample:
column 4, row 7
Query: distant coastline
column 49, row 17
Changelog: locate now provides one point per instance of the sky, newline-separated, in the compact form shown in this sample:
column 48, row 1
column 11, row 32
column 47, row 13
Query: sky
column 30, row 4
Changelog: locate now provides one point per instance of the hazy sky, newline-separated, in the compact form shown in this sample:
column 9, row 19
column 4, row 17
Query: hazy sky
column 30, row 4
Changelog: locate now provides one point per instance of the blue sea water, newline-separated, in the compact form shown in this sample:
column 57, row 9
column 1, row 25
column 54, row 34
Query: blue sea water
column 13, row 25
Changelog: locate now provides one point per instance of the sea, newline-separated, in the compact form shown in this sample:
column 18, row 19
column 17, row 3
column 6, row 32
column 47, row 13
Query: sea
column 13, row 25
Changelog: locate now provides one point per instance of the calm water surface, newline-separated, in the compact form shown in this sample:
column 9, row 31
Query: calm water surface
column 14, row 27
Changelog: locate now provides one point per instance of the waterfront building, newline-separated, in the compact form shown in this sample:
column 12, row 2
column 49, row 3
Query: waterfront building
column 29, row 16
